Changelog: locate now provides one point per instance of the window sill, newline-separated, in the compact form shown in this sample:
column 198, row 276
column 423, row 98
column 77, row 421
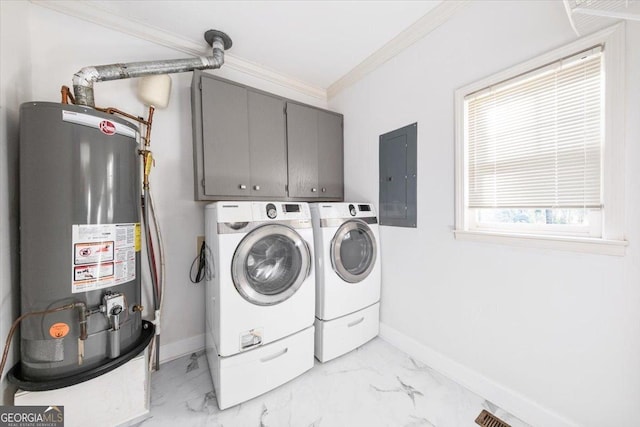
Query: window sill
column 565, row 243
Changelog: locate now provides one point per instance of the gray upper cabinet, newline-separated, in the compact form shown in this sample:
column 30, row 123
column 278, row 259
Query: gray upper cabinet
column 239, row 141
column 302, row 133
column 330, row 155
column 225, row 139
column 267, row 146
column 247, row 145
column 315, row 153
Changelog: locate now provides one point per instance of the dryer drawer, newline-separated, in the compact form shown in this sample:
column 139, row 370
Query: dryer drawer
column 252, row 373
column 339, row 336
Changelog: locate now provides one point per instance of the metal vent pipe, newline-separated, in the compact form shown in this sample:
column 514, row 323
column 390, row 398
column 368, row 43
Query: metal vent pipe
column 84, row 79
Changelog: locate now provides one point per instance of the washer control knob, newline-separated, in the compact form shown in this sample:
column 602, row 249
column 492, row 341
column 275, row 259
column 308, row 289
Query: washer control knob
column 352, row 210
column 271, row 211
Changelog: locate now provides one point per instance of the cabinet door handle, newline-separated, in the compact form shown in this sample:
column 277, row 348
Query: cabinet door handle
column 256, row 187
column 242, row 187
column 324, row 190
column 313, row 190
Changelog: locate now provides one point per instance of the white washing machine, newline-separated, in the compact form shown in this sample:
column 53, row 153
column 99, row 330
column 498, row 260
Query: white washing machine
column 260, row 298
column 347, row 254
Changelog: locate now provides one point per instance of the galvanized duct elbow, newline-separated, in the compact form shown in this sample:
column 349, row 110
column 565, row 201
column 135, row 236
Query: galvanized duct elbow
column 84, row 79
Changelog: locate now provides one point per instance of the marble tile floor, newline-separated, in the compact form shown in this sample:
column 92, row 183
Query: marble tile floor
column 374, row 385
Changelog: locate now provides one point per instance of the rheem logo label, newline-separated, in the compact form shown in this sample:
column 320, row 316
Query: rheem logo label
column 107, row 127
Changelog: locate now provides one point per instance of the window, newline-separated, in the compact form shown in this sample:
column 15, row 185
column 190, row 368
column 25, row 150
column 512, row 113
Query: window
column 538, row 151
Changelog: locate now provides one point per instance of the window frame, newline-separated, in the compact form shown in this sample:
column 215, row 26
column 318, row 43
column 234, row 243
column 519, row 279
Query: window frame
column 612, row 241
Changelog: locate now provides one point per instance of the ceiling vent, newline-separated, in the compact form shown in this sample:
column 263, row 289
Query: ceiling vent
column 587, row 16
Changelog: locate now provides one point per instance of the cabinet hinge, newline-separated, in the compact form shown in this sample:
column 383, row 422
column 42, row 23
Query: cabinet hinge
column 200, row 84
column 202, row 182
column 284, row 108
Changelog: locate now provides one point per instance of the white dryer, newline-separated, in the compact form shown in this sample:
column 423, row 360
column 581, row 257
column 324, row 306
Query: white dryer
column 347, row 252
column 260, row 297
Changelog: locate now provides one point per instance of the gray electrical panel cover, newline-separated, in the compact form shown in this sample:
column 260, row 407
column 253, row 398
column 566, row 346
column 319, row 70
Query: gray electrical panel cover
column 398, row 177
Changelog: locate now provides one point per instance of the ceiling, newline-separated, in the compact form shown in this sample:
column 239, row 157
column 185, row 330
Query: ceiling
column 314, row 42
column 316, row 47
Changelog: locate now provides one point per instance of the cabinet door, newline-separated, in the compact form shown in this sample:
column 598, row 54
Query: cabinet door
column 225, row 139
column 267, row 145
column 302, row 135
column 330, row 155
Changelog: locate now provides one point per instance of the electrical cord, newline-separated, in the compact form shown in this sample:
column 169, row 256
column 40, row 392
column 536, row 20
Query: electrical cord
column 203, row 270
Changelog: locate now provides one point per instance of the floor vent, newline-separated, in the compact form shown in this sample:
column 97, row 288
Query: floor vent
column 486, row 419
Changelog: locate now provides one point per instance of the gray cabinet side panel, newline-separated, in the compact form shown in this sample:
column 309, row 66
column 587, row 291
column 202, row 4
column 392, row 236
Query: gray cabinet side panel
column 302, row 134
column 225, row 138
column 330, row 155
column 196, row 115
column 267, row 143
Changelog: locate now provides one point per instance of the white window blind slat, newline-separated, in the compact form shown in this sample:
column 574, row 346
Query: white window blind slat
column 535, row 141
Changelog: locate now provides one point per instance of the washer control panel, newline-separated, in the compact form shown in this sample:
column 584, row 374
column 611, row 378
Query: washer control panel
column 266, row 211
column 344, row 210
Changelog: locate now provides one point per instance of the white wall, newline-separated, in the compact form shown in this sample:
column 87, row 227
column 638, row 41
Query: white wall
column 15, row 88
column 65, row 45
column 556, row 329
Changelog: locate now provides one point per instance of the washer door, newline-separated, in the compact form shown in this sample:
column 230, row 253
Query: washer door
column 353, row 251
column 270, row 264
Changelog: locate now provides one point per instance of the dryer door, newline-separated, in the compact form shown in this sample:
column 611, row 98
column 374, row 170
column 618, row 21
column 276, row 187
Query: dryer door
column 353, row 251
column 270, row 264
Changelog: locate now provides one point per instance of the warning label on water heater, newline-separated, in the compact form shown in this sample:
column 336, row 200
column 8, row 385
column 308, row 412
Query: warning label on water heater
column 103, row 255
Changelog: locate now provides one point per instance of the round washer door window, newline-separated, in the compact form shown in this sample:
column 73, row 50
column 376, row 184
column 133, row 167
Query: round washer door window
column 353, row 251
column 270, row 264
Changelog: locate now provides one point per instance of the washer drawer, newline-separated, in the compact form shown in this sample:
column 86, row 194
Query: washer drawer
column 339, row 336
column 254, row 372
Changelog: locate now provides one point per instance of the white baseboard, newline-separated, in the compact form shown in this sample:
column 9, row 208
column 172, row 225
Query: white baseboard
column 177, row 349
column 505, row 398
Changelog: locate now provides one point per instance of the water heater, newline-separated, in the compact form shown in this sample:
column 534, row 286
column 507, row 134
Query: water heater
column 80, row 245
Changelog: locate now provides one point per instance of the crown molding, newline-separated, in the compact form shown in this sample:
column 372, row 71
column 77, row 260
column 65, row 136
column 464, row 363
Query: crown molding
column 419, row 29
column 97, row 15
column 264, row 73
column 100, row 16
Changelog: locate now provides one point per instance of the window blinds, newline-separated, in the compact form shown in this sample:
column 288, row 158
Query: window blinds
column 535, row 141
